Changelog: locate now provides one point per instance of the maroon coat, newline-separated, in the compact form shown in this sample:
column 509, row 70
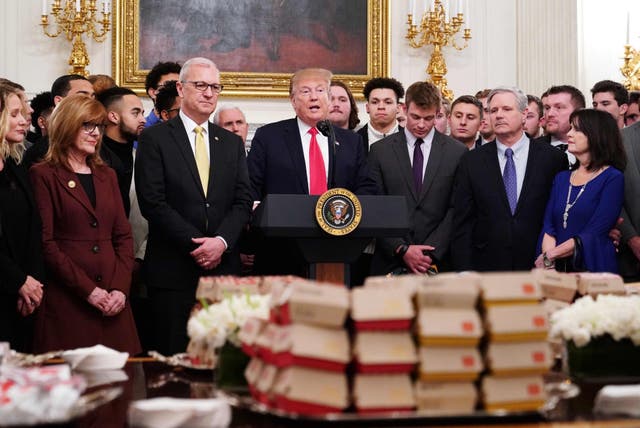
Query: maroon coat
column 83, row 248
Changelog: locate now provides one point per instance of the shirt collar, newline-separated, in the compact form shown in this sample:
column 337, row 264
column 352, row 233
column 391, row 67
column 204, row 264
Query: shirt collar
column 411, row 139
column 303, row 127
column 379, row 135
column 520, row 146
column 190, row 124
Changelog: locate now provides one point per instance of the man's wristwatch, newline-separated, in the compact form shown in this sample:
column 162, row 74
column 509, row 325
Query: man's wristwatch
column 402, row 250
column 547, row 262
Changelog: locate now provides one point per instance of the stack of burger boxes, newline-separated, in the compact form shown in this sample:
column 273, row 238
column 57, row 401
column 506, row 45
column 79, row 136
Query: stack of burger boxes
column 384, row 353
column 299, row 357
column 517, row 351
column 593, row 284
column 212, row 290
column 449, row 330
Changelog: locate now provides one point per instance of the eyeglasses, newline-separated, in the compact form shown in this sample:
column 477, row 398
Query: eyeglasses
column 89, row 127
column 171, row 110
column 202, row 86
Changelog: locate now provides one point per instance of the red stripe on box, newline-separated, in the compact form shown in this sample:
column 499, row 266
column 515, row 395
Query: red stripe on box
column 304, row 408
column 249, row 350
column 383, row 325
column 286, row 359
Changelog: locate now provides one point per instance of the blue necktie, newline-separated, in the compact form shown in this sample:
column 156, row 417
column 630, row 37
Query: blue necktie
column 510, row 181
column 418, row 160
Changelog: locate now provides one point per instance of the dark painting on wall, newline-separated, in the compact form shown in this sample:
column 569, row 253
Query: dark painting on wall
column 256, row 44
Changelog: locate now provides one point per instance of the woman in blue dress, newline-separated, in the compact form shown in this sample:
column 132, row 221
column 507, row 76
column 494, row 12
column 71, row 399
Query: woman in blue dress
column 585, row 203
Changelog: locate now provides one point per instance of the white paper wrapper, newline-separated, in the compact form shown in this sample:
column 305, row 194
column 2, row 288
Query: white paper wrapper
column 165, row 412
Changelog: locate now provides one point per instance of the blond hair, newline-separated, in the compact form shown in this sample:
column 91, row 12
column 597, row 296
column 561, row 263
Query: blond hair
column 66, row 122
column 310, row 73
column 8, row 150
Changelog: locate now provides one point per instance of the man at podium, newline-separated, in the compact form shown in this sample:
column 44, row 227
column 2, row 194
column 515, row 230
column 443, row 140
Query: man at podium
column 293, row 156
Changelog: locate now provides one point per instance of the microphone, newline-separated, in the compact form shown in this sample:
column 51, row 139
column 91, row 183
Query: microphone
column 326, row 128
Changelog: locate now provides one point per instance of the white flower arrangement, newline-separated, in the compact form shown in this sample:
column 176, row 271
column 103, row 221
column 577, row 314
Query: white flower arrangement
column 219, row 322
column 586, row 318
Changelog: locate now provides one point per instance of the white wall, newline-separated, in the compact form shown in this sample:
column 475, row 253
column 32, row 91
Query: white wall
column 498, row 53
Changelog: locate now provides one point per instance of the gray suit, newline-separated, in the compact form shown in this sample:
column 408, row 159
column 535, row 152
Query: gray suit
column 430, row 212
column 630, row 227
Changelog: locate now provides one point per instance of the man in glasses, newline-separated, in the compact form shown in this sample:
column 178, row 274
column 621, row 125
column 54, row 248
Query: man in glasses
column 193, row 189
column 168, row 101
column 293, row 157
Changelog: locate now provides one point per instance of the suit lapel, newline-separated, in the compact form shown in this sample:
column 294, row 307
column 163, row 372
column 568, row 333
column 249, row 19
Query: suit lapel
column 433, row 163
column 181, row 139
column 530, row 172
column 492, row 167
column 216, row 155
column 22, row 182
column 399, row 145
column 70, row 183
column 294, row 145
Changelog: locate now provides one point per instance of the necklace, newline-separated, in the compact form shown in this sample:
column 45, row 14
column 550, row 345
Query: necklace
column 568, row 205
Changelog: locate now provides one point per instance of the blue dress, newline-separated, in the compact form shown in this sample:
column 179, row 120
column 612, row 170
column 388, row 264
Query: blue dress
column 591, row 218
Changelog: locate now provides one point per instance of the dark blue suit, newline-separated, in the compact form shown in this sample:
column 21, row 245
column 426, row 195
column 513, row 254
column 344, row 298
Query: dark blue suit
column 276, row 162
column 276, row 165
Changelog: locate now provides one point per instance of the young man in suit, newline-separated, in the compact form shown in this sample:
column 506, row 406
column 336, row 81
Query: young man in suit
column 293, row 157
column 193, row 189
column 419, row 163
column 383, row 98
column 501, row 192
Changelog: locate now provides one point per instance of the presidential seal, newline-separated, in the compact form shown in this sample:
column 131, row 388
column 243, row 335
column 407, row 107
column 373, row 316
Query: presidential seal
column 338, row 211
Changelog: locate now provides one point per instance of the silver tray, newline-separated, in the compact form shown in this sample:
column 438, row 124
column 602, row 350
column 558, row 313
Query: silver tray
column 247, row 403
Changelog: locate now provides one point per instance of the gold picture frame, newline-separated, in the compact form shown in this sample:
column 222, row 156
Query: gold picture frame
column 130, row 71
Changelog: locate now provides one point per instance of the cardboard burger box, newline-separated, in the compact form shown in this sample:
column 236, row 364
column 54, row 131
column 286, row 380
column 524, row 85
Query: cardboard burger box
column 446, row 397
column 406, row 283
column 509, row 287
column 600, row 283
column 248, row 335
column 264, row 384
column 373, row 393
column 521, row 393
column 557, row 285
column 449, row 327
column 516, row 323
column 251, row 374
column 384, row 352
column 381, row 309
column 513, row 359
column 310, row 303
column 450, row 290
column 264, row 342
column 444, row 364
column 310, row 391
column 311, row 346
column 213, row 288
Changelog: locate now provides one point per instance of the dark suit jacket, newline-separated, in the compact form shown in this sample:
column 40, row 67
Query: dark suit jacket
column 84, row 247
column 630, row 227
column 430, row 212
column 172, row 200
column 276, row 165
column 276, row 162
column 486, row 236
column 364, row 133
column 20, row 255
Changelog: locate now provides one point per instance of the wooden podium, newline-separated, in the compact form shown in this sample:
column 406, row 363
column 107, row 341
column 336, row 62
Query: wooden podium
column 329, row 256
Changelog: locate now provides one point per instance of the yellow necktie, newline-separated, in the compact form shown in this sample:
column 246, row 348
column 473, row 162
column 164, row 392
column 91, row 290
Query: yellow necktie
column 202, row 160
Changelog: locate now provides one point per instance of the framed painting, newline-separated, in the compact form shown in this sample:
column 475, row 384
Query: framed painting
column 256, row 44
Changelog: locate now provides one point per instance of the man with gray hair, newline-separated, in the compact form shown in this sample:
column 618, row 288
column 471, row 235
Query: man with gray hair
column 193, row 189
column 501, row 192
column 232, row 119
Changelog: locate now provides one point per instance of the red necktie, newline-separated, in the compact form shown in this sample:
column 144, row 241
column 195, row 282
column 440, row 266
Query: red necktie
column 317, row 174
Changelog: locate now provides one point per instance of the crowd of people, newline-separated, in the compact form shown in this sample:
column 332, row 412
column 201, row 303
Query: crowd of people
column 108, row 217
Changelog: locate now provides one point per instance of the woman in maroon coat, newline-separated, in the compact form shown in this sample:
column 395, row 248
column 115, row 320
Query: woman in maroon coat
column 87, row 243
